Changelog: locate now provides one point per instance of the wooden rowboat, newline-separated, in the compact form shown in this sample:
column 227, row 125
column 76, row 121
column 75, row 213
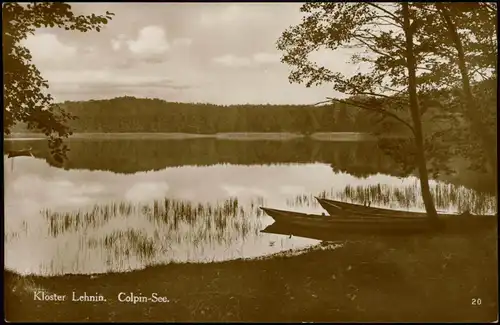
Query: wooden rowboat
column 324, row 234
column 20, row 153
column 457, row 226
column 342, row 208
column 287, row 216
column 352, row 222
column 382, row 224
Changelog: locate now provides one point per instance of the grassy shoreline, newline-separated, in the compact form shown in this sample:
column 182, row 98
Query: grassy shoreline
column 419, row 278
column 321, row 136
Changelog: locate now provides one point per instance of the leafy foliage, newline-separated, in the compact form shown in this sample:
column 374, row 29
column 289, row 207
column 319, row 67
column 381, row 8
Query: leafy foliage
column 376, row 31
column 25, row 96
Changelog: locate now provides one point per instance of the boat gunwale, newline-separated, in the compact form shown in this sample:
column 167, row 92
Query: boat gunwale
column 290, row 216
column 351, row 208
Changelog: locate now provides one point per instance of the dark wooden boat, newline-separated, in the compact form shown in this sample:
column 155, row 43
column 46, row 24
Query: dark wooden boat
column 456, row 226
column 290, row 229
column 351, row 222
column 20, row 153
column 287, row 216
column 342, row 208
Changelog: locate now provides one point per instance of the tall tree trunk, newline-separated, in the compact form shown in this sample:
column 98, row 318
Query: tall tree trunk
column 472, row 111
column 415, row 114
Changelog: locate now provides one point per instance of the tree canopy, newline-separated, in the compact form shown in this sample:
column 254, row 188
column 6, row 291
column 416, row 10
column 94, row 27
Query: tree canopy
column 409, row 55
column 376, row 33
column 26, row 98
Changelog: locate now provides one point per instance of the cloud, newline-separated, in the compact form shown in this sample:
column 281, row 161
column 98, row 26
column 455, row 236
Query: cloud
column 46, row 47
column 143, row 191
column 116, row 44
column 266, row 57
column 233, row 61
column 150, row 46
column 231, row 14
column 203, row 55
column 150, row 41
column 90, row 50
column 108, row 81
column 182, row 42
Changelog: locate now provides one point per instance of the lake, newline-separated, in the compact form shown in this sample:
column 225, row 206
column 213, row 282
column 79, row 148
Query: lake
column 123, row 204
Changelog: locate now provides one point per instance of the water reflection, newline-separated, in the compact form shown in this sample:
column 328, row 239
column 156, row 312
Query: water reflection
column 125, row 235
column 360, row 158
column 176, row 224
column 61, row 221
column 448, row 198
column 133, row 155
column 174, row 213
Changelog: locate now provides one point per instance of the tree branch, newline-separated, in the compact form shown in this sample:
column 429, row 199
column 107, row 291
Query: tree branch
column 490, row 8
column 359, row 38
column 477, row 70
column 385, row 22
column 368, row 108
column 393, row 16
column 380, row 95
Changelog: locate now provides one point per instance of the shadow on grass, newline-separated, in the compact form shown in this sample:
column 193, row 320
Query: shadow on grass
column 418, row 278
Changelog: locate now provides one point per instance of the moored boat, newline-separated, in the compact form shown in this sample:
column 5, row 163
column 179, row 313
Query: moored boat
column 354, row 221
column 290, row 229
column 343, row 208
column 338, row 231
column 20, row 153
column 285, row 215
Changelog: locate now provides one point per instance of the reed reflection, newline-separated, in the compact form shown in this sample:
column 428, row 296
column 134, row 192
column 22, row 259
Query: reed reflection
column 448, row 197
column 174, row 222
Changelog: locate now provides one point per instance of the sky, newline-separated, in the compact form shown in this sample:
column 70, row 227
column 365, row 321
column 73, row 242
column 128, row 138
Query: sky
column 221, row 53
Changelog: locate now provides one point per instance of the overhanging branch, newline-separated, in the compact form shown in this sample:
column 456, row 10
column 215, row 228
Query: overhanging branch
column 366, row 107
column 392, row 15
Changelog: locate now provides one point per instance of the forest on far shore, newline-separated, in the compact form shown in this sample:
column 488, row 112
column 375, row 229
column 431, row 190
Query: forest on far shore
column 130, row 114
column 441, row 110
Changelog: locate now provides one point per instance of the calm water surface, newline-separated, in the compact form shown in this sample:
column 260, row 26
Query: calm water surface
column 87, row 217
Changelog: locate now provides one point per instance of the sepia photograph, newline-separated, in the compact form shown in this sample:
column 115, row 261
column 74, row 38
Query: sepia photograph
column 250, row 162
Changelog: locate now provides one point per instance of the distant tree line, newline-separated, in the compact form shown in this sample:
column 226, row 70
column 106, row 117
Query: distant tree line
column 130, row 114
